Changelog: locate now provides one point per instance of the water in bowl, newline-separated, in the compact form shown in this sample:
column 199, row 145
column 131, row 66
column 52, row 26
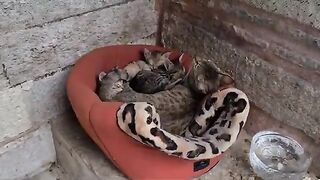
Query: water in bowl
column 274, row 156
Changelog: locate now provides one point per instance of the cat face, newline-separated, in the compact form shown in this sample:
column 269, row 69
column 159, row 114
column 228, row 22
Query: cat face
column 156, row 58
column 205, row 77
column 114, row 75
column 117, row 87
column 113, row 82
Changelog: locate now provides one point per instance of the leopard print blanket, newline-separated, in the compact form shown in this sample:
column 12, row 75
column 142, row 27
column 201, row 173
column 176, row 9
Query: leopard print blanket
column 213, row 130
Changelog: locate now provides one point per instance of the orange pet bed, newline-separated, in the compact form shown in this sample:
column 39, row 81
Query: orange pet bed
column 135, row 160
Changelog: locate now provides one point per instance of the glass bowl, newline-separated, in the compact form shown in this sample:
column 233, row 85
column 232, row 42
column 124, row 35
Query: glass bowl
column 274, row 156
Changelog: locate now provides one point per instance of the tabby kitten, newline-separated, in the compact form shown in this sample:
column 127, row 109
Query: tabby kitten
column 111, row 84
column 176, row 106
column 159, row 79
column 207, row 77
column 157, row 58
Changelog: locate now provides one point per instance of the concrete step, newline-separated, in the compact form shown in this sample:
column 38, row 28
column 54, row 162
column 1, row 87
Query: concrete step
column 77, row 154
column 81, row 159
column 53, row 173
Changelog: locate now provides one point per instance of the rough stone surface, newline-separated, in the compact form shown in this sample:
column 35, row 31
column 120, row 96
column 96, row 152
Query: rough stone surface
column 20, row 14
column 306, row 11
column 4, row 81
column 232, row 22
column 286, row 97
column 235, row 164
column 310, row 39
column 28, row 155
column 39, row 43
column 12, row 114
column 149, row 40
column 284, row 49
column 55, row 172
column 33, row 52
column 309, row 63
column 77, row 153
column 31, row 103
column 298, row 31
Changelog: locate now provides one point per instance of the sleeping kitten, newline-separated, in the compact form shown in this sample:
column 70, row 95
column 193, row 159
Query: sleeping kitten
column 149, row 82
column 176, row 106
column 157, row 58
column 111, row 84
column 136, row 66
column 207, row 77
column 156, row 80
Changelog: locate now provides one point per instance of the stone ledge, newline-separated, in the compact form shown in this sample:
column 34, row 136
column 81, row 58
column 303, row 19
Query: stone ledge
column 30, row 53
column 287, row 97
column 4, row 80
column 77, row 153
column 17, row 15
column 27, row 155
column 31, row 103
column 242, row 13
column 295, row 57
column 307, row 12
column 81, row 158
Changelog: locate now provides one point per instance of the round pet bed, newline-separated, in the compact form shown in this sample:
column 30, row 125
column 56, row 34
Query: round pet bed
column 135, row 160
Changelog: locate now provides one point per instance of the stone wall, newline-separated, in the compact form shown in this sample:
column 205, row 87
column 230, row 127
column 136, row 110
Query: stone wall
column 271, row 47
column 39, row 43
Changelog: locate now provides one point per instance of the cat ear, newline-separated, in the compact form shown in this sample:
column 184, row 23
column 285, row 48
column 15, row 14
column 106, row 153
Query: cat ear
column 101, row 75
column 180, row 58
column 213, row 65
column 166, row 55
column 124, row 75
column 195, row 63
column 115, row 68
column 226, row 81
column 146, row 53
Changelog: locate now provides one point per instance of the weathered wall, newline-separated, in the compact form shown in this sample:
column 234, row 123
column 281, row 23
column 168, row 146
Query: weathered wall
column 305, row 11
column 272, row 49
column 39, row 43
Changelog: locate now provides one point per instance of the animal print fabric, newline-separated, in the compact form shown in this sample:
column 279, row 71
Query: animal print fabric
column 213, row 130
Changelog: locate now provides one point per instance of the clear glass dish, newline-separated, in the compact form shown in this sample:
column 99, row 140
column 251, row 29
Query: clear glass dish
column 277, row 157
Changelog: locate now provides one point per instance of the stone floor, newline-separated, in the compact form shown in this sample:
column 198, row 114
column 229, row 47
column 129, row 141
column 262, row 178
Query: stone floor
column 234, row 166
column 54, row 173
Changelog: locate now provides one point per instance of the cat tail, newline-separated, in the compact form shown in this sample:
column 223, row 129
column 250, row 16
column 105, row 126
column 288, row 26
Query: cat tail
column 141, row 121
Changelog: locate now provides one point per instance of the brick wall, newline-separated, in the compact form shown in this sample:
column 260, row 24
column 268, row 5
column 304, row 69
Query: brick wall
column 271, row 47
column 39, row 43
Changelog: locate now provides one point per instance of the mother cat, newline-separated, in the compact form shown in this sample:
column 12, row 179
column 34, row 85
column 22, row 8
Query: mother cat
column 176, row 106
column 213, row 129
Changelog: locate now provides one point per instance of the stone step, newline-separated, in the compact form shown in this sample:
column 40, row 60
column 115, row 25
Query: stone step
column 53, row 173
column 81, row 159
column 78, row 158
column 77, row 154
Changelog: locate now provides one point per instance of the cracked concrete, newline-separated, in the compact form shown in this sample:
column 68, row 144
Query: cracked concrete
column 79, row 14
column 4, row 79
column 39, row 43
column 20, row 14
column 56, row 45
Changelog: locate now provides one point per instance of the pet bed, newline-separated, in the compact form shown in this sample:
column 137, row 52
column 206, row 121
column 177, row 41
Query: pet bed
column 98, row 118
